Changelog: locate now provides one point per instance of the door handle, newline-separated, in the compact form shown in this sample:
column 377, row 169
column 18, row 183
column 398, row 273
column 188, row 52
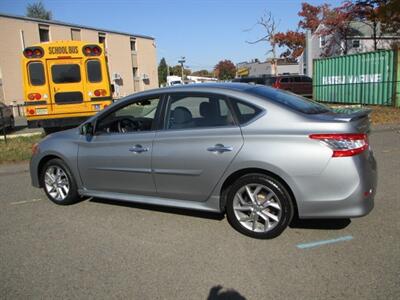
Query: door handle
column 219, row 148
column 138, row 149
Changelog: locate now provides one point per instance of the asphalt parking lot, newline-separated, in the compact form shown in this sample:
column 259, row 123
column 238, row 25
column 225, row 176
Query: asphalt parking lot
column 98, row 249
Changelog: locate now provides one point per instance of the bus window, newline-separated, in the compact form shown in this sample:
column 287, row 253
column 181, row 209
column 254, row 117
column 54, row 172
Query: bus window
column 36, row 73
column 67, row 73
column 93, row 70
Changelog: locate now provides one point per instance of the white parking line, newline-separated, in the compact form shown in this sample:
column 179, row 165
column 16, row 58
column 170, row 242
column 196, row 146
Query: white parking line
column 26, row 201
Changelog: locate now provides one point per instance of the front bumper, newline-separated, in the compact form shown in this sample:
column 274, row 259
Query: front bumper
column 346, row 189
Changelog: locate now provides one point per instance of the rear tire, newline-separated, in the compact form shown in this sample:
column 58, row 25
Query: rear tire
column 58, row 183
column 259, row 206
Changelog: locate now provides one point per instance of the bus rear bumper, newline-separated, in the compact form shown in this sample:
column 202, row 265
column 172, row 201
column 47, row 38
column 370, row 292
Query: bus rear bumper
column 57, row 123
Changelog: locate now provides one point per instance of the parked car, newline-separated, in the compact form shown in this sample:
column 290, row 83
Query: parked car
column 6, row 117
column 298, row 84
column 259, row 154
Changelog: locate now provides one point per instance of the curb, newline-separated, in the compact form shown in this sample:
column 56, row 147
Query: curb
column 13, row 136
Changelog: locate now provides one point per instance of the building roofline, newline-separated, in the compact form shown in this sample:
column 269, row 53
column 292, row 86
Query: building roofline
column 54, row 22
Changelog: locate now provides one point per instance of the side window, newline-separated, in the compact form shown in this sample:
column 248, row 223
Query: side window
column 297, row 79
column 134, row 117
column 306, row 79
column 93, row 68
column 36, row 73
column 187, row 111
column 286, row 80
column 245, row 111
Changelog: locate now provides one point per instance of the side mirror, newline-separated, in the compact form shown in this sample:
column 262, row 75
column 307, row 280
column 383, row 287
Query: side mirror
column 112, row 88
column 87, row 129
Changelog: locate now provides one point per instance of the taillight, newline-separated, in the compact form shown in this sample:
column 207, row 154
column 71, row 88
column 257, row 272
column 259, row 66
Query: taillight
column 34, row 96
column 100, row 92
column 276, row 85
column 31, row 111
column 91, row 50
column 33, row 52
column 343, row 144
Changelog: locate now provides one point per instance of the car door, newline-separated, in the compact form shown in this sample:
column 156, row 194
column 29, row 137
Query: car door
column 199, row 141
column 117, row 158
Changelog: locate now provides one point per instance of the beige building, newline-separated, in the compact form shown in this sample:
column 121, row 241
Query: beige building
column 132, row 58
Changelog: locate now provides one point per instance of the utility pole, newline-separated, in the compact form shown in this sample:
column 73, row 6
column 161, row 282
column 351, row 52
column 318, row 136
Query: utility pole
column 182, row 61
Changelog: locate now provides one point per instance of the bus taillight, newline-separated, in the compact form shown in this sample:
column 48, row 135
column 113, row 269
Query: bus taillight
column 31, row 111
column 101, row 92
column 34, row 96
column 92, row 50
column 33, row 52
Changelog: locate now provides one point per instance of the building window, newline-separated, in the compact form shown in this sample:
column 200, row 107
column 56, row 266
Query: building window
column 44, row 34
column 134, row 72
column 102, row 38
column 322, row 41
column 75, row 34
column 355, row 43
column 133, row 45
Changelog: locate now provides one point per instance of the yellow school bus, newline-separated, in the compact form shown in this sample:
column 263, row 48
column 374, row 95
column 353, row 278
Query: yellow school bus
column 65, row 82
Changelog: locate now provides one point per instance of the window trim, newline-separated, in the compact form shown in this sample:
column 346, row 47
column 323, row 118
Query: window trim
column 121, row 104
column 167, row 105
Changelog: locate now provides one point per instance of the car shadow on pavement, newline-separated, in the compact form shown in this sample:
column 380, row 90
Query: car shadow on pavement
column 325, row 224
column 219, row 293
column 163, row 209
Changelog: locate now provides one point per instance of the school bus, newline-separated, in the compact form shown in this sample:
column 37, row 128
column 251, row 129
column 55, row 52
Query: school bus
column 65, row 82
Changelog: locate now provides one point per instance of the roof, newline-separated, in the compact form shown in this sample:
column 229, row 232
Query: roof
column 214, row 85
column 54, row 22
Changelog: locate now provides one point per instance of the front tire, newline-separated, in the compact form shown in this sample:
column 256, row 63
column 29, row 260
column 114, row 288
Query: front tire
column 259, row 206
column 58, row 183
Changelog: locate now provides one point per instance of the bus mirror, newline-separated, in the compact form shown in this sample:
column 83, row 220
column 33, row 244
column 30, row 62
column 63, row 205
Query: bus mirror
column 112, row 88
column 87, row 129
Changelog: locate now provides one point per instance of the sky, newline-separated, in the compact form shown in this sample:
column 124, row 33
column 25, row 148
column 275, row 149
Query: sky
column 203, row 31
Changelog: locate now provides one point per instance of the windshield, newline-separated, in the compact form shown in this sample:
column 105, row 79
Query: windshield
column 293, row 101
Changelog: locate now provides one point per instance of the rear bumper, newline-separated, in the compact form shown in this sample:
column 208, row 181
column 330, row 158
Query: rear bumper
column 346, row 189
column 59, row 122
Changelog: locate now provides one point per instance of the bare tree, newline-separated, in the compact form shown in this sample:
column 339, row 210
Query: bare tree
column 269, row 25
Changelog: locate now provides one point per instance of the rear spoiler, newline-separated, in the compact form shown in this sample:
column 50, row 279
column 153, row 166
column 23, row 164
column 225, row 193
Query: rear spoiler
column 349, row 114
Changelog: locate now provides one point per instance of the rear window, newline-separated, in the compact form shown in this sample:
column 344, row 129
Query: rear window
column 93, row 70
column 270, row 80
column 306, row 79
column 286, row 79
column 36, row 73
column 67, row 73
column 295, row 102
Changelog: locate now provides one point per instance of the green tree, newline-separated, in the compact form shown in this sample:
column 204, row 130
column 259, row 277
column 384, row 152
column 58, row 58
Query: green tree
column 203, row 73
column 225, row 70
column 162, row 71
column 176, row 70
column 38, row 11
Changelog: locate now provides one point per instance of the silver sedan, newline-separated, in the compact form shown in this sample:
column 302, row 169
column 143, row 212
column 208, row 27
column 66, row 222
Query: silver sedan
column 258, row 154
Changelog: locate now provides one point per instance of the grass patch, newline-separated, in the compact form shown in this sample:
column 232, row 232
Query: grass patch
column 17, row 149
